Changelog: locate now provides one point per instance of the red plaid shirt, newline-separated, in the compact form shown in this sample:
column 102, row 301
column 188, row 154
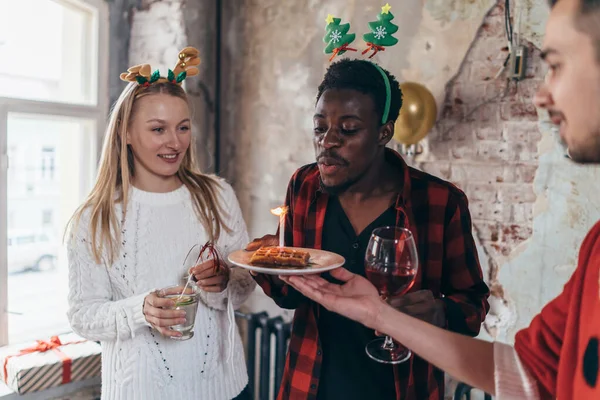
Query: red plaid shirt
column 437, row 214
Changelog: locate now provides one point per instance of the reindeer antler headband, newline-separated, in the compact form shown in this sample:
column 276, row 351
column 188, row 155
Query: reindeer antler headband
column 338, row 39
column 187, row 60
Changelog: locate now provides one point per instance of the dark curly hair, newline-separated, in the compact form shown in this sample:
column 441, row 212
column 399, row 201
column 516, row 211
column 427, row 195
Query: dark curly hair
column 363, row 76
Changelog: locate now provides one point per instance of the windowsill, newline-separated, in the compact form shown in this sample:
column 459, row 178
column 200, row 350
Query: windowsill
column 63, row 390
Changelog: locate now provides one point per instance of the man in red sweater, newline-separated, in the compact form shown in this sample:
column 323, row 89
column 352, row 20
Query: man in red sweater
column 557, row 356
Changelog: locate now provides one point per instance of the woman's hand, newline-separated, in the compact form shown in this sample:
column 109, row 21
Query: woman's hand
column 210, row 276
column 160, row 313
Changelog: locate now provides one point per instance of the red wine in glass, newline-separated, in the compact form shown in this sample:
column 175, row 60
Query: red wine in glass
column 391, row 264
column 391, row 280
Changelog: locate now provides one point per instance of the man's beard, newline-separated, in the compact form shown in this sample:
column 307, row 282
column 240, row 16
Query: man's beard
column 337, row 189
column 591, row 156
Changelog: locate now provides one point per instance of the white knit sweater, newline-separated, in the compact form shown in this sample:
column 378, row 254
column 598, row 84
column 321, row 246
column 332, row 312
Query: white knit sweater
column 105, row 303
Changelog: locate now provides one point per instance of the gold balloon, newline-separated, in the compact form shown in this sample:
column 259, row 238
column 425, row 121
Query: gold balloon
column 417, row 115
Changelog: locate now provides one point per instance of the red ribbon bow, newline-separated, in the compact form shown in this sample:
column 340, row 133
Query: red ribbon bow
column 43, row 346
column 338, row 50
column 375, row 48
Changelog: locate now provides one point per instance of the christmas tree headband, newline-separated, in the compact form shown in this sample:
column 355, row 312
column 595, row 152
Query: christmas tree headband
column 187, row 60
column 380, row 36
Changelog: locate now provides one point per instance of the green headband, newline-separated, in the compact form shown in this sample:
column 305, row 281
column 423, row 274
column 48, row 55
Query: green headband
column 388, row 93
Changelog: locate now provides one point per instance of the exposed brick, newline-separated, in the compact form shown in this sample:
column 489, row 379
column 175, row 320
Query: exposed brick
column 487, row 132
column 468, row 92
column 532, row 147
column 497, row 89
column 453, row 111
column 459, row 184
column 515, row 233
column 486, row 192
column 521, row 131
column 516, row 193
column 527, row 89
column 535, row 135
column 497, row 12
column 477, row 173
column 434, row 134
column 478, row 210
column 482, row 71
column 524, row 173
column 496, row 251
column 485, row 211
column 502, row 250
column 436, row 168
column 510, row 93
column 458, row 172
column 493, row 150
column 501, row 212
column 487, row 140
column 524, row 151
column 456, row 132
column 535, row 70
column 514, row 133
column 483, row 113
column 518, row 111
column 492, row 28
column 441, row 149
column 463, row 152
column 522, row 213
column 489, row 231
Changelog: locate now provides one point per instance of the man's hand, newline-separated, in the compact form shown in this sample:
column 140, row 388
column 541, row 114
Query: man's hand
column 265, row 241
column 422, row 305
column 211, row 277
column 356, row 298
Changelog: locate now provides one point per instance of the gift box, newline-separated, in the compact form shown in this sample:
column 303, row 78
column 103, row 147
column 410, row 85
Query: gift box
column 49, row 363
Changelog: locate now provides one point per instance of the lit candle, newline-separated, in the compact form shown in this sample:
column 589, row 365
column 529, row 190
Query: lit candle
column 281, row 212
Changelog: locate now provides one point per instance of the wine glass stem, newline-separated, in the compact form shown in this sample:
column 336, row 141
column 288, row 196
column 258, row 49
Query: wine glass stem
column 388, row 344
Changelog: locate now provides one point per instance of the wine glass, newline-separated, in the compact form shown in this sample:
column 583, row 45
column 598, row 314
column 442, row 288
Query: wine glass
column 391, row 264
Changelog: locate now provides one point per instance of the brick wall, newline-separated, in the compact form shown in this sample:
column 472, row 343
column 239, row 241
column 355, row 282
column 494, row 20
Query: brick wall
column 486, row 140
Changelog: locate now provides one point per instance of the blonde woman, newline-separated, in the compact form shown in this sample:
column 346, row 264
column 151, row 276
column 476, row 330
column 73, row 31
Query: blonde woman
column 149, row 206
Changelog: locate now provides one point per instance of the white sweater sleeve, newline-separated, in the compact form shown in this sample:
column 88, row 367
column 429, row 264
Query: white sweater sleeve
column 241, row 284
column 93, row 313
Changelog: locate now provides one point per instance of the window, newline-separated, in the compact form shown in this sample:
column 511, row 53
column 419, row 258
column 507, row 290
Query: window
column 11, row 221
column 47, row 161
column 47, row 217
column 53, row 106
column 12, row 153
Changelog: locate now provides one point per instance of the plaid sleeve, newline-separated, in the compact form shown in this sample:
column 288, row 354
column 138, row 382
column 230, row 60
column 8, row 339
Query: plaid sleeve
column 284, row 295
column 462, row 283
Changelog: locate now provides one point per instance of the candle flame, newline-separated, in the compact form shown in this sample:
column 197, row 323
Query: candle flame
column 279, row 211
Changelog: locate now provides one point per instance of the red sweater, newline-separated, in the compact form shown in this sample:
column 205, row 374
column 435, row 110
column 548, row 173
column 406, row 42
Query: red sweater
column 560, row 347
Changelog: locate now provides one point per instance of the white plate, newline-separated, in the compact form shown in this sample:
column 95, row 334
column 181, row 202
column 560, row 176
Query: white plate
column 320, row 261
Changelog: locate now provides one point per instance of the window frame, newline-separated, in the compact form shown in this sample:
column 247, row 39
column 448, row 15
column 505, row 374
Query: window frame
column 96, row 112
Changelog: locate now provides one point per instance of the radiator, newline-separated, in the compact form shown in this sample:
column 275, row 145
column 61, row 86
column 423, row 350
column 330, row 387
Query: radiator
column 266, row 347
column 464, row 391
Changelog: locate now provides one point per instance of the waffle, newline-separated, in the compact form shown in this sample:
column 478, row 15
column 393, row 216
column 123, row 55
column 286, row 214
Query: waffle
column 280, row 257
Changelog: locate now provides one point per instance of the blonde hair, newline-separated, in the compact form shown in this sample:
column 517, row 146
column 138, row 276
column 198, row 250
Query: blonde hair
column 116, row 170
